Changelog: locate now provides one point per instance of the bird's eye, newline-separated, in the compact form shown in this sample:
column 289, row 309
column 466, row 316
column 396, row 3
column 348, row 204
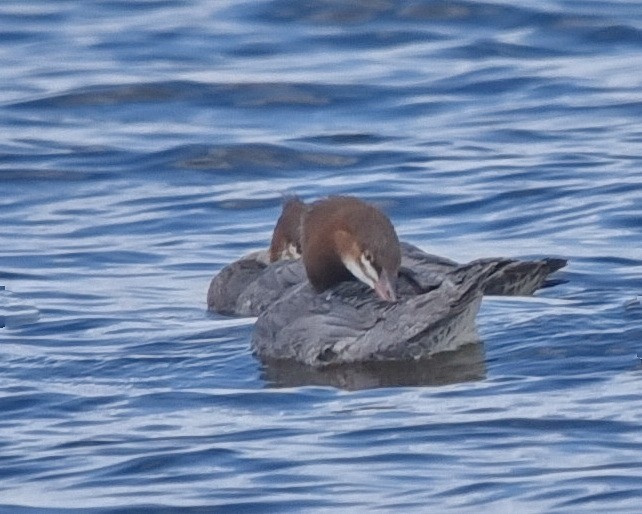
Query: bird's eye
column 368, row 256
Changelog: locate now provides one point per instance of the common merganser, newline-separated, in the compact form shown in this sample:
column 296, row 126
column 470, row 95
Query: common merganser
column 310, row 310
column 249, row 285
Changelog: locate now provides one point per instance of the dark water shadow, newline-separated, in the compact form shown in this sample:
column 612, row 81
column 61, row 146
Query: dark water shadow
column 466, row 364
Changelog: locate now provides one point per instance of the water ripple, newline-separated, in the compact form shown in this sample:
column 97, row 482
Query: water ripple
column 155, row 145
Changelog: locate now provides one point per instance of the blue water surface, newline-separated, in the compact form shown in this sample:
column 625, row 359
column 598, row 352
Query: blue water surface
column 147, row 144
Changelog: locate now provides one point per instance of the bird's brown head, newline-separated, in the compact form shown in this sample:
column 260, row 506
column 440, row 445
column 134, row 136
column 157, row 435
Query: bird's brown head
column 343, row 238
column 286, row 238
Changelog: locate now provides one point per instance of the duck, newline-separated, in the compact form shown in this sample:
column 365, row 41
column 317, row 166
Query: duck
column 337, row 287
column 248, row 286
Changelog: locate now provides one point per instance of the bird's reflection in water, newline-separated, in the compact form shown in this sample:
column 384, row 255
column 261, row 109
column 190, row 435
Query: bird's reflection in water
column 462, row 365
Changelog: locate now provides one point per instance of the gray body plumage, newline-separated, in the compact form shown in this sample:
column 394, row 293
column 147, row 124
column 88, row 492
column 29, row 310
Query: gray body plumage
column 248, row 286
column 438, row 300
column 348, row 324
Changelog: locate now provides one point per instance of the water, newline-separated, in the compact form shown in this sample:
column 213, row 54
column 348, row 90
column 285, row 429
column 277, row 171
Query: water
column 145, row 145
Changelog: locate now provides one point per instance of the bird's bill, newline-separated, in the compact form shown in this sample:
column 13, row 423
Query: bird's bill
column 384, row 287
